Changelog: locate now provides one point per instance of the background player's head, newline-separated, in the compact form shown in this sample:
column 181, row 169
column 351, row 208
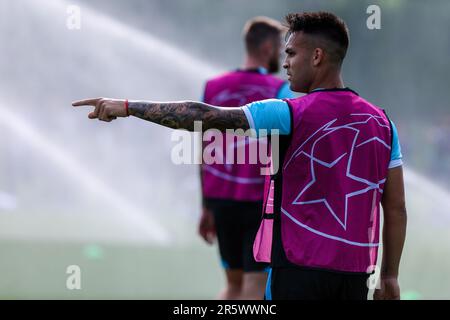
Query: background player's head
column 262, row 36
column 316, row 46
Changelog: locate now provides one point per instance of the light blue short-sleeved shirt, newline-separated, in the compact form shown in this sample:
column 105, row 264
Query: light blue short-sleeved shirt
column 273, row 114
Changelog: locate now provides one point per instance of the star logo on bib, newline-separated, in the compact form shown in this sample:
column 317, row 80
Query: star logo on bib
column 328, row 175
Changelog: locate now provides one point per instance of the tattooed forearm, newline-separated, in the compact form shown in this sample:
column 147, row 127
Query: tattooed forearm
column 181, row 115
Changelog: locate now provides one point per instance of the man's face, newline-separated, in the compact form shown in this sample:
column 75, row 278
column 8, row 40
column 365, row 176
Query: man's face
column 298, row 62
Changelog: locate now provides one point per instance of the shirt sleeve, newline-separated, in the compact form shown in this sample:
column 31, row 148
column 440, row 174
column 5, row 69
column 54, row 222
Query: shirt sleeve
column 396, row 151
column 285, row 92
column 267, row 115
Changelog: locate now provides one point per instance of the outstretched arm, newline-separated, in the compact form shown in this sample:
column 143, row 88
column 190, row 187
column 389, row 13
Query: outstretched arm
column 176, row 115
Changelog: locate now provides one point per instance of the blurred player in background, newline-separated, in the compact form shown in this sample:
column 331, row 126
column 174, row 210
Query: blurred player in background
column 232, row 194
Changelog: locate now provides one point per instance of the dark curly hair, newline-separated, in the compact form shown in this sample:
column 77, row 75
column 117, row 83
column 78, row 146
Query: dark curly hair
column 323, row 24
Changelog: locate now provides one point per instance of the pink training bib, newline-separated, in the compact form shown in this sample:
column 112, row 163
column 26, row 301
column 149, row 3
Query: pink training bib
column 242, row 182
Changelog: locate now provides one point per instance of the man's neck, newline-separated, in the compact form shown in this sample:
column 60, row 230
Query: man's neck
column 254, row 63
column 329, row 80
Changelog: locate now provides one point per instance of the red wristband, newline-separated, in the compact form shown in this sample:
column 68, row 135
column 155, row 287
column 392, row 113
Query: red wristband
column 126, row 107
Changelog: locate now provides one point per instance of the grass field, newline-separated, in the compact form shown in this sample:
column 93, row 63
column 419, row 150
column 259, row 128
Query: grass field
column 118, row 261
column 37, row 270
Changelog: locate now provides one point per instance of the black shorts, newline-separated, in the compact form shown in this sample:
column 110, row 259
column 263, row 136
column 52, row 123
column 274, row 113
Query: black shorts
column 237, row 223
column 310, row 284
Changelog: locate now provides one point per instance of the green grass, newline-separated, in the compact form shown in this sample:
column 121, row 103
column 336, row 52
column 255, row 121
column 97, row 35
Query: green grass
column 188, row 269
column 37, row 270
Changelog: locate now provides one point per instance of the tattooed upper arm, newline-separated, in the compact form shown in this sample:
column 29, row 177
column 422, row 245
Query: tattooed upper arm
column 225, row 118
column 181, row 115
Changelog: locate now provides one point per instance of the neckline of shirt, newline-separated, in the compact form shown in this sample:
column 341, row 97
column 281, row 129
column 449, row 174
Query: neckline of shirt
column 333, row 89
column 260, row 70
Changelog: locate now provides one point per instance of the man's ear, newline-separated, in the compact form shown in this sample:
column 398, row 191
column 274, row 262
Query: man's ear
column 318, row 56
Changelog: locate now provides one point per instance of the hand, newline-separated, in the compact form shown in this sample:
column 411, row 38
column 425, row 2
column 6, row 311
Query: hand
column 206, row 226
column 105, row 109
column 390, row 290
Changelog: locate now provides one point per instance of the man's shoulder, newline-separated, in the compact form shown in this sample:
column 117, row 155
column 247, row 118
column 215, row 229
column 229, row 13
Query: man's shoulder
column 237, row 72
column 374, row 107
column 220, row 76
column 299, row 99
column 275, row 78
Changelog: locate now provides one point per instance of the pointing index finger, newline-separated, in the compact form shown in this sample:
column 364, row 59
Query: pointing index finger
column 86, row 102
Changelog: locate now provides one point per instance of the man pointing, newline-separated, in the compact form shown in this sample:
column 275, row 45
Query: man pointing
column 340, row 158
